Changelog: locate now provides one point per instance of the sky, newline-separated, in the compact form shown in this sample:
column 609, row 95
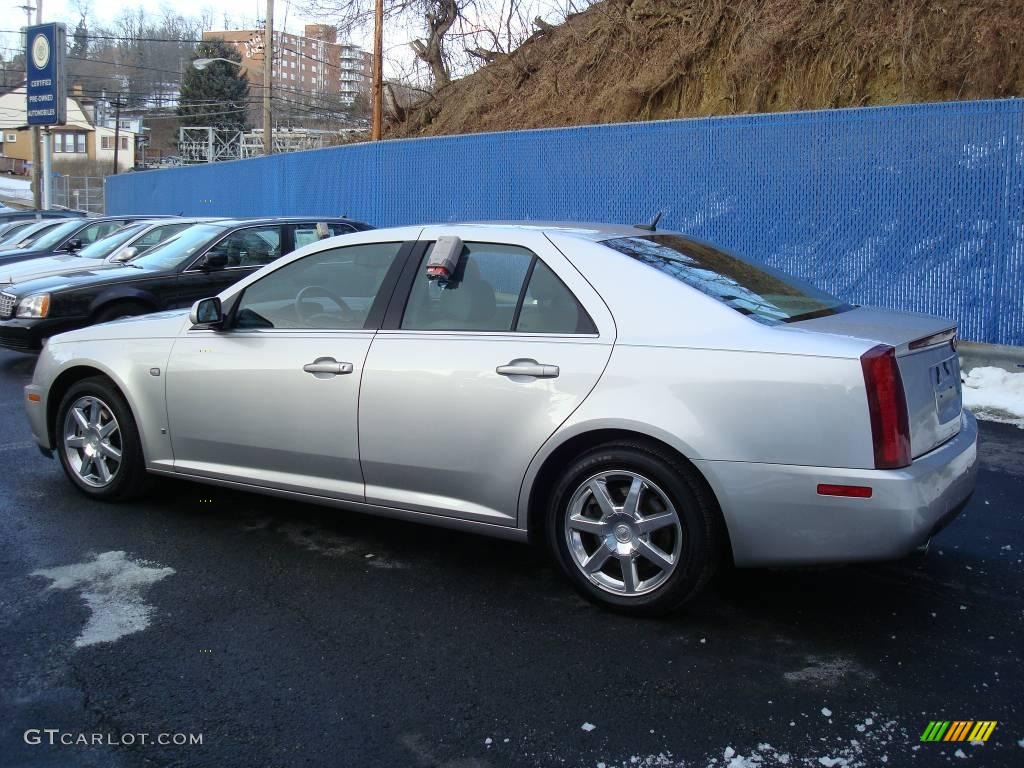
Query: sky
column 242, row 14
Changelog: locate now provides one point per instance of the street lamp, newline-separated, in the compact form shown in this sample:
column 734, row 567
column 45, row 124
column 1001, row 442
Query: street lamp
column 268, row 128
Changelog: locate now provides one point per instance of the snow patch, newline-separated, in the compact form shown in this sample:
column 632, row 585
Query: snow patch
column 330, row 544
column 995, row 395
column 588, row 727
column 827, row 672
column 111, row 585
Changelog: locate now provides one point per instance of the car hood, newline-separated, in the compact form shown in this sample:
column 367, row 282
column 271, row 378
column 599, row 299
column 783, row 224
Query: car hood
column 166, row 324
column 99, row 275
column 46, row 266
column 19, row 254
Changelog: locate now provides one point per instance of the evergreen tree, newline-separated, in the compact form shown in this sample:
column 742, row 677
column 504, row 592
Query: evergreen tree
column 218, row 95
column 80, row 39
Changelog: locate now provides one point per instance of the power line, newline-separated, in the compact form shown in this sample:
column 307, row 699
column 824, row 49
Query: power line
column 186, row 40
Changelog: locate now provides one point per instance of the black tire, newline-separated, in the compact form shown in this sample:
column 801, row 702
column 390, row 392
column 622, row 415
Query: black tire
column 121, row 309
column 130, row 479
column 702, row 537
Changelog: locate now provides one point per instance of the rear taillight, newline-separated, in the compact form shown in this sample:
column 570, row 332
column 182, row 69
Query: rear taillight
column 887, row 405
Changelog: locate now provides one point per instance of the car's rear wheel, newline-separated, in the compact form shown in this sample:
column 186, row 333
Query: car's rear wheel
column 634, row 528
column 98, row 442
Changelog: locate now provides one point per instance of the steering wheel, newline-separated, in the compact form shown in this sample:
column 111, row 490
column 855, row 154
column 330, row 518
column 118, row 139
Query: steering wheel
column 318, row 290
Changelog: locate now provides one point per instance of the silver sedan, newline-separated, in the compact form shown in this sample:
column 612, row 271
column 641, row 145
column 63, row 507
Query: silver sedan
column 645, row 404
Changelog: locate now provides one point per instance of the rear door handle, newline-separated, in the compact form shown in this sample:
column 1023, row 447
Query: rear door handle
column 526, row 367
column 324, row 367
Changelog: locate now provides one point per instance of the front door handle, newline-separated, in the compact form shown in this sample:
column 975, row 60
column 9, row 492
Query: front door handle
column 325, row 367
column 527, row 367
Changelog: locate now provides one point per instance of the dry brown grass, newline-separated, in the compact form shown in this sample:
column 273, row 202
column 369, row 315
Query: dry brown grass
column 626, row 60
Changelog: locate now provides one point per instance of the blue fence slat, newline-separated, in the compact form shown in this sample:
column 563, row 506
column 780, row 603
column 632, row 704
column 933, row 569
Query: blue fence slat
column 917, row 207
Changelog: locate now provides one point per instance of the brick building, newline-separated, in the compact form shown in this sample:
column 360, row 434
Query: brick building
column 311, row 63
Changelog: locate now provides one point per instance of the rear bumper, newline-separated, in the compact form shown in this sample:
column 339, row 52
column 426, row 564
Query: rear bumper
column 776, row 517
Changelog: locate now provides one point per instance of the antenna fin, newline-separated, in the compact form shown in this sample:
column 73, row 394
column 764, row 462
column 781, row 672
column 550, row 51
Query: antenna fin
column 653, row 225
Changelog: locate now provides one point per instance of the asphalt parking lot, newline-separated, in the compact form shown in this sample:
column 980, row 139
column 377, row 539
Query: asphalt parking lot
column 290, row 635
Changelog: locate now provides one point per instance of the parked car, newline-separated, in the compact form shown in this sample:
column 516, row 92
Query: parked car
column 69, row 236
column 121, row 246
column 17, row 214
column 648, row 405
column 11, row 229
column 203, row 259
column 22, row 238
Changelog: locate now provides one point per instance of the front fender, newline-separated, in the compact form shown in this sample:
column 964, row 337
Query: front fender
column 137, row 370
column 122, row 293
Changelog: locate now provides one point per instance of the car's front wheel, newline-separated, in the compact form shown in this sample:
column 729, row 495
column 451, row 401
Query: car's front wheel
column 98, row 442
column 634, row 528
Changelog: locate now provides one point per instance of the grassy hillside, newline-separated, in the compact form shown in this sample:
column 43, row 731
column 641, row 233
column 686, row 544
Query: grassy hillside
column 625, row 60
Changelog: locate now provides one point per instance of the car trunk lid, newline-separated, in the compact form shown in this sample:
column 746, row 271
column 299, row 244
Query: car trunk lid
column 927, row 361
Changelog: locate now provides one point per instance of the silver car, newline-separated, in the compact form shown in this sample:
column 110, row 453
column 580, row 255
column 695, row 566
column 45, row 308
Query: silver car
column 647, row 405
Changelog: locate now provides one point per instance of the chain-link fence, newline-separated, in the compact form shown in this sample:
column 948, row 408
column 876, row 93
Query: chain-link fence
column 83, row 193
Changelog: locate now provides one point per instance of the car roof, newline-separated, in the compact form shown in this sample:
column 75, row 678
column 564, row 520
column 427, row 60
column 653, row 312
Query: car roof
column 125, row 217
column 584, row 230
column 281, row 220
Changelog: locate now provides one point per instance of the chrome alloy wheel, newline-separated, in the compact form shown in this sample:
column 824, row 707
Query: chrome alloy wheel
column 623, row 533
column 92, row 441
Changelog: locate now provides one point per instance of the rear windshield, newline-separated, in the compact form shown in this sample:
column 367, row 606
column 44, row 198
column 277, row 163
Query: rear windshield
column 764, row 294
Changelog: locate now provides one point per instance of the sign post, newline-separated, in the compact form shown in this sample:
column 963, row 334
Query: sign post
column 46, row 89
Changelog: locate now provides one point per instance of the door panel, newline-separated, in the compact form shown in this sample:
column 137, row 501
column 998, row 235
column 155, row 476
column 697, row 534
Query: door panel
column 441, row 431
column 241, row 407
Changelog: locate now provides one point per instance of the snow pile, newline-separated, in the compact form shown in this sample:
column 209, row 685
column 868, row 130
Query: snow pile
column 112, row 585
column 18, row 189
column 995, row 395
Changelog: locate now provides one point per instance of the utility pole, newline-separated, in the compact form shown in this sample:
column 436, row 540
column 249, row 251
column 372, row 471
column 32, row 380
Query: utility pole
column 378, row 71
column 37, row 176
column 117, row 129
column 268, row 81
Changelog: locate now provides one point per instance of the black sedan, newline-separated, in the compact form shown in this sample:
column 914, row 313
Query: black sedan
column 201, row 261
column 70, row 236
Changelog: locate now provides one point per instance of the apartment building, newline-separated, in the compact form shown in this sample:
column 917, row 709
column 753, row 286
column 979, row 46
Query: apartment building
column 311, row 63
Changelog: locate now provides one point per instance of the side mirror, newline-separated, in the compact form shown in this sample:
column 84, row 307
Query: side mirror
column 126, row 255
column 213, row 261
column 73, row 245
column 207, row 312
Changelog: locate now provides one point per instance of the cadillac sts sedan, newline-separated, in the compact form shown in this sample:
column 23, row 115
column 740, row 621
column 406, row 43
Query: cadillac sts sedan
column 647, row 405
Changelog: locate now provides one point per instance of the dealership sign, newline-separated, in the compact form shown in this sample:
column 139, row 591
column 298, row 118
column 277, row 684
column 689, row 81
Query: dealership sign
column 47, row 89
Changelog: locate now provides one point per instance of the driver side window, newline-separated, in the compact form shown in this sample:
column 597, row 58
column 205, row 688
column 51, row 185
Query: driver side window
column 329, row 290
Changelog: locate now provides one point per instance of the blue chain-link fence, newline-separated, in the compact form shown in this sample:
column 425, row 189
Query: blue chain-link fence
column 916, row 207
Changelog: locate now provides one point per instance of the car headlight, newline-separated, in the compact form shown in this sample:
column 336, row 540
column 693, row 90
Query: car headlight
column 34, row 306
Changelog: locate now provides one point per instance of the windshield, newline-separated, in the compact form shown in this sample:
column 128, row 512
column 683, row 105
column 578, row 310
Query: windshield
column 14, row 227
column 762, row 293
column 103, row 248
column 181, row 249
column 27, row 235
column 53, row 237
